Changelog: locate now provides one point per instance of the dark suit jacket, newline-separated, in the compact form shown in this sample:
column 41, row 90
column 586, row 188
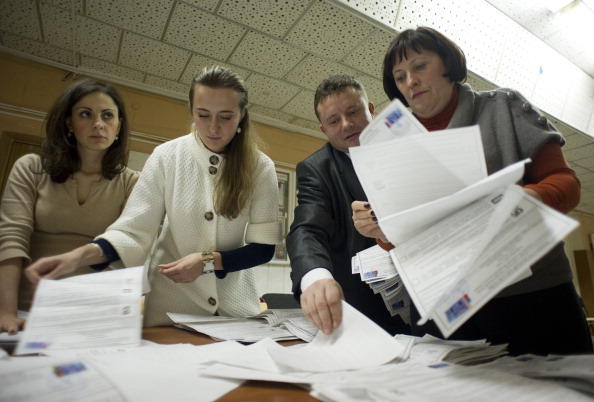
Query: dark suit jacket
column 323, row 234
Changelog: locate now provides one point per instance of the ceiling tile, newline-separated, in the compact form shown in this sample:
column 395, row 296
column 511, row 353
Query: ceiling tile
column 374, row 88
column 152, row 56
column 438, row 14
column 147, row 17
column 382, row 11
column 520, row 73
column 67, row 4
column 169, row 85
column 302, row 106
column 259, row 112
column 478, row 83
column 580, row 153
column 312, row 70
column 369, row 55
column 198, row 62
column 587, row 162
column 550, row 91
column 209, row 5
column 579, row 170
column 266, row 55
column 202, row 32
column 587, row 178
column 114, row 70
column 273, row 17
column 38, row 49
column 482, row 39
column 20, row 17
column 57, row 26
column 96, row 39
column 576, row 140
column 323, row 29
column 270, row 92
column 577, row 109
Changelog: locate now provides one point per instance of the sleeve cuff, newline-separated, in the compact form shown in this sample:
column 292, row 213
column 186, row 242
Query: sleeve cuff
column 314, row 275
column 108, row 251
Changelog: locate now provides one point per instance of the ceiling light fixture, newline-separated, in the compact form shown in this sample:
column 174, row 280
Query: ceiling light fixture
column 556, row 5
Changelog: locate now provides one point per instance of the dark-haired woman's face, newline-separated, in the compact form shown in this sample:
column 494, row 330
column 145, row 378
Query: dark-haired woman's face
column 95, row 122
column 420, row 79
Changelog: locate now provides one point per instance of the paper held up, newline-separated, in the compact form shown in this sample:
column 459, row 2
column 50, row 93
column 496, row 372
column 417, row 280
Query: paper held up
column 394, row 121
column 458, row 264
column 68, row 314
column 409, row 171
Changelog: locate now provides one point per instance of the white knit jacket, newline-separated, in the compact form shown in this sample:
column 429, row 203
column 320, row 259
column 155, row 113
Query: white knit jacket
column 176, row 188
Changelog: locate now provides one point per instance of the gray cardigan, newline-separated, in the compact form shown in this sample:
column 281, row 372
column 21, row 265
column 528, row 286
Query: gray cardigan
column 512, row 130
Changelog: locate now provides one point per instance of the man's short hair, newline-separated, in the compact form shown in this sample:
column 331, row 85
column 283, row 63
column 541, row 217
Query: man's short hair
column 334, row 84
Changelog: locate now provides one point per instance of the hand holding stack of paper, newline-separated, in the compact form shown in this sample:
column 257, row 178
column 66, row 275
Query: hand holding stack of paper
column 461, row 236
column 376, row 268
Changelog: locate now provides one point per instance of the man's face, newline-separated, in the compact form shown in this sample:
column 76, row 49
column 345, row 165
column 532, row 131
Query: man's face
column 343, row 116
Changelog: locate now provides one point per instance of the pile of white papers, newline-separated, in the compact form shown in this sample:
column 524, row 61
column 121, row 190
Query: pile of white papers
column 460, row 237
column 375, row 267
column 277, row 324
column 574, row 371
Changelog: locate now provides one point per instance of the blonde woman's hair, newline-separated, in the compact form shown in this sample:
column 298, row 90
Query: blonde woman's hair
column 235, row 185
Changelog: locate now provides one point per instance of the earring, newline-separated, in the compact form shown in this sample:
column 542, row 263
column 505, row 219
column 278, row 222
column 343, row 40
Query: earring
column 238, row 130
column 117, row 137
column 69, row 138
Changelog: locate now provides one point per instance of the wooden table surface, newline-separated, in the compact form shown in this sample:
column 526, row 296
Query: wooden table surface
column 250, row 390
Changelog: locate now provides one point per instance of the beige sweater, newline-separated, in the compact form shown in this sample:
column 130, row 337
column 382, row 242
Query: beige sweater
column 40, row 218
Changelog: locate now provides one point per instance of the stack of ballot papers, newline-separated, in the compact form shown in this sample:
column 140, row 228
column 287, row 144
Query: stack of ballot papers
column 460, row 236
column 375, row 267
column 434, row 350
column 277, row 324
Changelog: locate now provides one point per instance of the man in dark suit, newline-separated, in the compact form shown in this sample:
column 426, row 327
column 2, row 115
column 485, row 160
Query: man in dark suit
column 323, row 238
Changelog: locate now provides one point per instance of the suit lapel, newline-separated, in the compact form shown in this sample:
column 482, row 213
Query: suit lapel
column 349, row 177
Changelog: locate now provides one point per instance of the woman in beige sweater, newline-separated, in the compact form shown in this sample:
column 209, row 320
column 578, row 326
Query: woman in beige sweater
column 64, row 197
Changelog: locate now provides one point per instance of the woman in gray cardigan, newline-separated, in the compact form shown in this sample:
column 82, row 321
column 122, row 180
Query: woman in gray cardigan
column 542, row 313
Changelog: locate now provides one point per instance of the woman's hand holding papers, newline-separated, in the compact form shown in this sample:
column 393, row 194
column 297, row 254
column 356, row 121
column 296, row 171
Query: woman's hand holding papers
column 366, row 221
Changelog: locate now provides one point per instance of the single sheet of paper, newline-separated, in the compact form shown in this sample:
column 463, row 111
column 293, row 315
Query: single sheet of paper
column 357, row 343
column 393, row 121
column 412, row 170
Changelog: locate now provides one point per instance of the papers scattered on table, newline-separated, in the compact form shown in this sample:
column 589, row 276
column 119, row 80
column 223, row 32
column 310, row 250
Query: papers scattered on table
column 575, row 371
column 86, row 311
column 277, row 324
column 362, row 362
column 50, row 379
column 413, row 381
column 460, row 236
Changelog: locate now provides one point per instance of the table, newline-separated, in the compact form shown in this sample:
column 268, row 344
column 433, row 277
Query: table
column 250, row 390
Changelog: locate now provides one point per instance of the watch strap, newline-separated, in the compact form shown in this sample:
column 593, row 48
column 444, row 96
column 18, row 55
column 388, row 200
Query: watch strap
column 208, row 260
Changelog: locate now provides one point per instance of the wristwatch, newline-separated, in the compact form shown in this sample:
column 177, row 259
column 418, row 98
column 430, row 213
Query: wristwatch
column 208, row 260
